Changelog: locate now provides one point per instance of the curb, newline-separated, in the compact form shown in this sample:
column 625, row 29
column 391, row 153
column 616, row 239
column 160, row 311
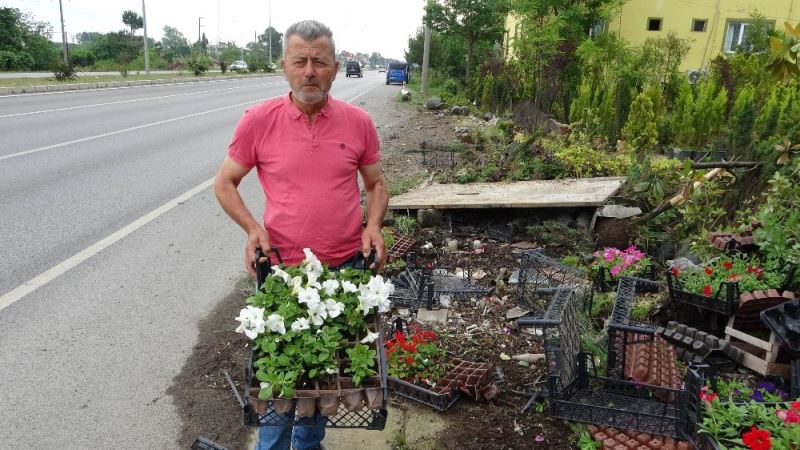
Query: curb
column 15, row 90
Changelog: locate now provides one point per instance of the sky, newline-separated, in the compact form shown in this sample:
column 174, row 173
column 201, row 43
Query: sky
column 365, row 26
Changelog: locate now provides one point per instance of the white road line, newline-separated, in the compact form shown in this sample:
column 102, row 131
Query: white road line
column 160, row 97
column 48, row 276
column 138, row 127
column 42, row 279
column 77, row 91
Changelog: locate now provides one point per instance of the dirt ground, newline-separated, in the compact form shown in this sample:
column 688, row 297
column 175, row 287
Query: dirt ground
column 209, row 409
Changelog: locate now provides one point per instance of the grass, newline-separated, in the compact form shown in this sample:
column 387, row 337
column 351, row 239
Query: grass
column 132, row 76
column 403, row 185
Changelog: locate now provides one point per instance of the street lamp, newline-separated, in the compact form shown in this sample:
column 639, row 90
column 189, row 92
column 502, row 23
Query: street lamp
column 198, row 29
column 146, row 52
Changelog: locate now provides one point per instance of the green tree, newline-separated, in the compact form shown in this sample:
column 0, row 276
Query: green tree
column 133, row 20
column 662, row 56
column 174, row 44
column 473, row 20
column 416, row 46
column 640, row 129
column 277, row 42
column 683, row 116
column 742, row 121
column 709, row 114
column 25, row 43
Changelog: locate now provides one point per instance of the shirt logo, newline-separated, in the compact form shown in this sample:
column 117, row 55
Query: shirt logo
column 341, row 146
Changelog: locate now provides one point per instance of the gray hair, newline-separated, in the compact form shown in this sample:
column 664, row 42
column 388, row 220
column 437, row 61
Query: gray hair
column 309, row 30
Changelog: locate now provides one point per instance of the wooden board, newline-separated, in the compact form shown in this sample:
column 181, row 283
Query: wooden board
column 566, row 193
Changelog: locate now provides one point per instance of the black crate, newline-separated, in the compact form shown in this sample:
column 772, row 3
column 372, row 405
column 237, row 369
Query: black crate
column 725, row 301
column 440, row 401
column 605, row 282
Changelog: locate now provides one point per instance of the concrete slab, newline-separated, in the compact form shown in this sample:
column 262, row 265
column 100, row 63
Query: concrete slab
column 432, row 315
column 566, row 193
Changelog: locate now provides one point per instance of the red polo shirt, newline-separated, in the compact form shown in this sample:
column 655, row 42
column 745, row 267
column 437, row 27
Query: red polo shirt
column 309, row 173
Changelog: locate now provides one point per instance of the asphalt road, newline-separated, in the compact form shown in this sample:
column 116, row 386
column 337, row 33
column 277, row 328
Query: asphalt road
column 113, row 248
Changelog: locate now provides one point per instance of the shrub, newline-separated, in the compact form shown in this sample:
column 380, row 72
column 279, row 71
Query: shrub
column 63, row 72
column 640, row 129
column 581, row 160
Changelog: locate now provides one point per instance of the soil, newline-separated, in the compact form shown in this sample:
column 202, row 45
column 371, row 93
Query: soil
column 209, row 409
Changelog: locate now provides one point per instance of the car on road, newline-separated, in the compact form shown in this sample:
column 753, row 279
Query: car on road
column 381, row 69
column 354, row 68
column 397, row 73
column 237, row 66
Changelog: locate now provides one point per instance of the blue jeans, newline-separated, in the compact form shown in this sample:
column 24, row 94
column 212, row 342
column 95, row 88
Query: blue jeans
column 301, row 438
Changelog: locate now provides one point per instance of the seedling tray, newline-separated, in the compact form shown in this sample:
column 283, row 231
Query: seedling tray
column 725, row 301
column 441, row 397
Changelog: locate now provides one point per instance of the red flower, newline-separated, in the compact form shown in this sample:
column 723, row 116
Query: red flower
column 707, row 291
column 757, row 439
column 727, row 265
column 675, row 272
column 409, row 360
column 709, row 270
column 796, row 405
column 706, row 396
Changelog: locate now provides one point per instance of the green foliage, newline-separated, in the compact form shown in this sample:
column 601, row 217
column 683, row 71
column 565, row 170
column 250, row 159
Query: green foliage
column 767, row 119
column 133, row 20
column 63, row 72
column 487, row 97
column 747, row 272
column 661, row 58
column 640, row 130
column 405, row 225
column 730, row 423
column 602, row 302
column 362, row 363
column 779, row 236
column 683, row 116
column 174, row 44
column 199, row 63
column 579, row 109
column 701, row 213
column 586, row 442
column 24, row 43
column 742, row 121
column 643, row 307
column 582, row 161
column 573, row 260
column 709, row 114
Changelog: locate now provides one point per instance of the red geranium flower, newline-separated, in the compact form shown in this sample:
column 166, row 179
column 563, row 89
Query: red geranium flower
column 409, row 360
column 757, row 439
column 675, row 272
column 796, row 405
column 709, row 270
column 707, row 291
column 706, row 396
column 727, row 265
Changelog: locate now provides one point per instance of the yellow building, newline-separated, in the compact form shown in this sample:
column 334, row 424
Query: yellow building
column 712, row 26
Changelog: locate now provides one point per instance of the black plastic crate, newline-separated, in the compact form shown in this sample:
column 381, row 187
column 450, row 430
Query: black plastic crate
column 725, row 301
column 605, row 282
column 438, row 399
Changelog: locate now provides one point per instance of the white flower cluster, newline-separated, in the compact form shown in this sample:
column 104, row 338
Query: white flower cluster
column 252, row 323
column 373, row 294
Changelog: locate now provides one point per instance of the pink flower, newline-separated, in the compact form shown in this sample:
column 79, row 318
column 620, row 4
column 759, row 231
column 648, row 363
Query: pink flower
column 788, row 416
column 616, row 270
column 609, row 254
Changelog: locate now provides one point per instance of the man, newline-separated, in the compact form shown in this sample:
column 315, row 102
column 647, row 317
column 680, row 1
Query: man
column 307, row 148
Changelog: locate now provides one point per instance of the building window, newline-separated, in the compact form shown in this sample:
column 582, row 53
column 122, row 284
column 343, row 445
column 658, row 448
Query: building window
column 654, row 24
column 699, row 25
column 735, row 35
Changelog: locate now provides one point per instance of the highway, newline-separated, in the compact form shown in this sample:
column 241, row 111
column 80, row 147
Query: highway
column 113, row 248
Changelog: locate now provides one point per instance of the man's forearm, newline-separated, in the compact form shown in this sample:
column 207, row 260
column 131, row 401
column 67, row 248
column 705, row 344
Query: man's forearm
column 377, row 203
column 230, row 200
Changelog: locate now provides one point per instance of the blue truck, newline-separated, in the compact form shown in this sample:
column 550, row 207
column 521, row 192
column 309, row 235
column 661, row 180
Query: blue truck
column 397, row 73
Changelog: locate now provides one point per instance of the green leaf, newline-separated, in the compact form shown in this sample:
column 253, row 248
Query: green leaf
column 264, row 394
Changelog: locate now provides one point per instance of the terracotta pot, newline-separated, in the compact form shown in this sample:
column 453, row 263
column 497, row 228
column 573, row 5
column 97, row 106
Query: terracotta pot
column 328, row 405
column 374, row 397
column 282, row 405
column 260, row 406
column 306, row 405
column 353, row 401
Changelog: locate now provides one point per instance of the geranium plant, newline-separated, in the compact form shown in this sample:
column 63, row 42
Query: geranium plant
column 415, row 356
column 752, row 425
column 630, row 261
column 706, row 279
column 303, row 317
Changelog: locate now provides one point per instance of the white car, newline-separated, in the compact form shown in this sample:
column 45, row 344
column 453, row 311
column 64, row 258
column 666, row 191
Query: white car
column 238, row 65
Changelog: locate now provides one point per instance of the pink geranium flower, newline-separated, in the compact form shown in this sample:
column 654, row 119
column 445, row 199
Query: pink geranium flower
column 616, row 270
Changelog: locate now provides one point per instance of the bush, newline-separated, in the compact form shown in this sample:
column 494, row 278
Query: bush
column 640, row 129
column 582, row 161
column 64, row 72
column 199, row 63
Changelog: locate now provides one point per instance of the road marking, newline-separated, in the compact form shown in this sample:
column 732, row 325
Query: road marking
column 76, row 91
column 48, row 276
column 59, row 269
column 126, row 130
column 132, row 100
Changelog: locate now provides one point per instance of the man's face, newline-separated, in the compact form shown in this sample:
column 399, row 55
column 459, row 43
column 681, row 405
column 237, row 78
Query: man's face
column 310, row 68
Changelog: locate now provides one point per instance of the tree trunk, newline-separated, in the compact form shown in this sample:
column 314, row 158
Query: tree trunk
column 470, row 49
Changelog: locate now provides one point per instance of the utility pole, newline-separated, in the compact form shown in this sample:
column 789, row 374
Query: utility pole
column 198, row 30
column 146, row 52
column 269, row 30
column 63, row 35
column 426, row 50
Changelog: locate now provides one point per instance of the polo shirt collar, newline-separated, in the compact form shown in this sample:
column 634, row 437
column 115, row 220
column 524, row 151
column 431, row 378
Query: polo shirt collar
column 295, row 113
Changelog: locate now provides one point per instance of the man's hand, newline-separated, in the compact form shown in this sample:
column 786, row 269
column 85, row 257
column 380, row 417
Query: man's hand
column 256, row 238
column 371, row 238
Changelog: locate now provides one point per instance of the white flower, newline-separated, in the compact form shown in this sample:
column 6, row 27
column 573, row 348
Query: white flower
column 330, row 287
column 330, row 371
column 265, row 385
column 297, row 284
column 347, row 286
column 300, row 324
column 275, row 324
column 309, row 296
column 333, row 308
column 317, row 320
column 251, row 321
column 370, row 338
column 384, row 305
column 280, row 273
column 311, row 264
column 317, row 312
column 375, row 293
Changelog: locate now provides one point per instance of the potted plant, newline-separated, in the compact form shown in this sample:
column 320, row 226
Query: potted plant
column 308, row 325
column 612, row 263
